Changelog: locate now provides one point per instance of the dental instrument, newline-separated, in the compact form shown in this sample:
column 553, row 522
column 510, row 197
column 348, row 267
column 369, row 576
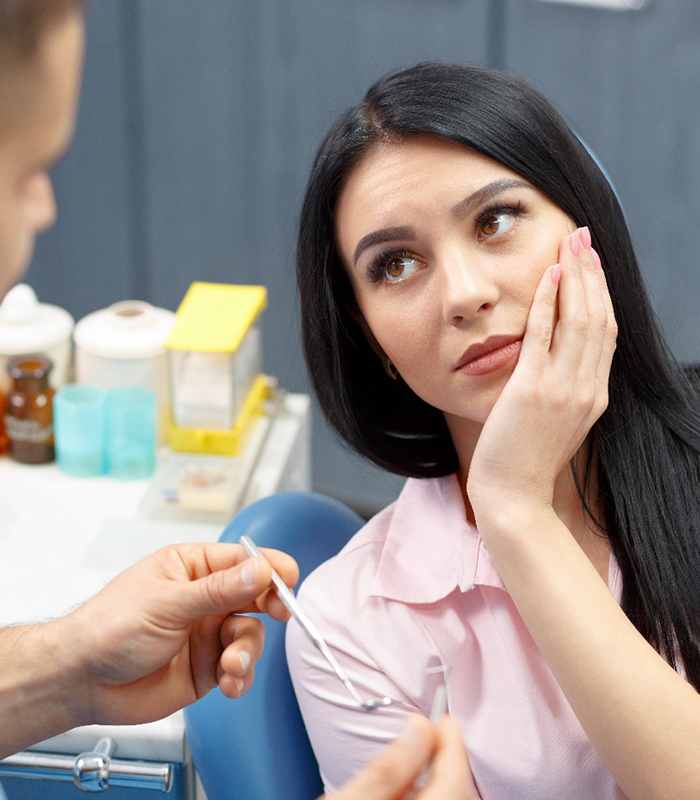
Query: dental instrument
column 436, row 712
column 292, row 605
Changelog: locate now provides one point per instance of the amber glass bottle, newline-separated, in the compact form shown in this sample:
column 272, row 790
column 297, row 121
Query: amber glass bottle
column 29, row 413
column 4, row 441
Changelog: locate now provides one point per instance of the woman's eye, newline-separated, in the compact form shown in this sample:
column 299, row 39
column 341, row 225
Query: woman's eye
column 400, row 267
column 494, row 224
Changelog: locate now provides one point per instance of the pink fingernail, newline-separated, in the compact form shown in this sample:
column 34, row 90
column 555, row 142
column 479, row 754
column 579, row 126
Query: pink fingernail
column 585, row 235
column 574, row 243
column 556, row 274
column 596, row 261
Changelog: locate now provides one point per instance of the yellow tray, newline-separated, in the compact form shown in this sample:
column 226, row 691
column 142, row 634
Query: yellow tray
column 223, row 442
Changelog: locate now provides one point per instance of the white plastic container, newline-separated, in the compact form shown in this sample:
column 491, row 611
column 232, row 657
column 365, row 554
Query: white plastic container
column 124, row 345
column 27, row 327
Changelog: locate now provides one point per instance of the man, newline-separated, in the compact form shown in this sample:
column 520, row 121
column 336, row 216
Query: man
column 165, row 631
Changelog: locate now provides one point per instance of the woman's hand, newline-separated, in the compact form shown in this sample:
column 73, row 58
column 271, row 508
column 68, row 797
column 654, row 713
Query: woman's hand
column 558, row 389
column 391, row 775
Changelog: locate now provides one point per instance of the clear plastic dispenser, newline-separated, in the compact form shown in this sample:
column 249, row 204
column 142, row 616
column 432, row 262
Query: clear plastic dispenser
column 216, row 382
column 124, row 345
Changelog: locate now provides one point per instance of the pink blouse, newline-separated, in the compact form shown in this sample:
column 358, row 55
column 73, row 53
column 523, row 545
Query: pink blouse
column 413, row 600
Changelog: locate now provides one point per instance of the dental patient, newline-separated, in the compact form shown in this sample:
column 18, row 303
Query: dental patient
column 474, row 319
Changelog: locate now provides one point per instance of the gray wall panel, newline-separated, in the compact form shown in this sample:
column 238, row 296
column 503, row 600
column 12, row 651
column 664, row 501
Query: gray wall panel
column 239, row 97
column 198, row 124
column 87, row 259
column 628, row 82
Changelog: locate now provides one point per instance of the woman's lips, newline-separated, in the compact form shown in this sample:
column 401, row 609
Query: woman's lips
column 492, row 355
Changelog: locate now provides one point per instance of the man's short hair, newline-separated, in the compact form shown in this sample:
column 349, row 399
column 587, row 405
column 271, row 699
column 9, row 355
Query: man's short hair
column 23, row 23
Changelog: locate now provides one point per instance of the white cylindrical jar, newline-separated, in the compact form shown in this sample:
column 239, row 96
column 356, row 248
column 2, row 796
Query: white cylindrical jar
column 30, row 327
column 124, row 345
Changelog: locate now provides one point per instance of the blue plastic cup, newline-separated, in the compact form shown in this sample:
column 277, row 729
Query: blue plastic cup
column 79, row 429
column 131, row 433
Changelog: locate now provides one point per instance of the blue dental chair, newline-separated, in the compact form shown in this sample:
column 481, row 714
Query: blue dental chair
column 256, row 747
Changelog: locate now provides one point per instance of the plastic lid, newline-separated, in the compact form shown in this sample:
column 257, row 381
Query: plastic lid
column 129, row 329
column 28, row 326
column 215, row 317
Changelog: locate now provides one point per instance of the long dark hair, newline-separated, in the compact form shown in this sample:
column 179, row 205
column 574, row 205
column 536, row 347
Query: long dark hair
column 646, row 444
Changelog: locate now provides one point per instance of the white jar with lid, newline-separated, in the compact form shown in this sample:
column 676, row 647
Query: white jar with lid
column 124, row 345
column 27, row 327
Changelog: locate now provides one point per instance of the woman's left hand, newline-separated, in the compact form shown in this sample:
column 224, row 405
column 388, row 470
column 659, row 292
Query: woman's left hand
column 558, row 389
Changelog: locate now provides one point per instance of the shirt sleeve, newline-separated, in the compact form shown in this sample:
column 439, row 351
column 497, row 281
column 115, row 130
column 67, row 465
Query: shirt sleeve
column 344, row 737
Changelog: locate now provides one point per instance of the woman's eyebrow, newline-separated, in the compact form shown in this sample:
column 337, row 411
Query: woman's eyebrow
column 462, row 208
column 466, row 206
column 379, row 237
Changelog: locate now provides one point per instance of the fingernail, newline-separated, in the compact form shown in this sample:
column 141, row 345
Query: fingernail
column 585, row 235
column 556, row 274
column 574, row 243
column 596, row 261
column 239, row 685
column 249, row 573
column 244, row 658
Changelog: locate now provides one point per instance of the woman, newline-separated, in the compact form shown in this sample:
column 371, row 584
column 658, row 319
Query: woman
column 464, row 269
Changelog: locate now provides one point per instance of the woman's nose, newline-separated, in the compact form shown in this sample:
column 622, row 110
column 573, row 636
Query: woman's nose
column 40, row 202
column 468, row 288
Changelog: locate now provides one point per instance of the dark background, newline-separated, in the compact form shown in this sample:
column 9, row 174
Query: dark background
column 199, row 121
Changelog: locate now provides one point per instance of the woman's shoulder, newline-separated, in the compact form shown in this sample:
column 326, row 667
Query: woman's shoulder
column 358, row 559
column 395, row 534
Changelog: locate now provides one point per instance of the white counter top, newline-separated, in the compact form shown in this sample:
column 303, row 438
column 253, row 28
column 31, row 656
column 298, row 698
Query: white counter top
column 62, row 539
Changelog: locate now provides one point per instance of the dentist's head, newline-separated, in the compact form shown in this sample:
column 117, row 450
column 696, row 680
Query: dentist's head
column 41, row 56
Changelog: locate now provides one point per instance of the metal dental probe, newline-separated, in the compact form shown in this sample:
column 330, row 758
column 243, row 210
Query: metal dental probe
column 292, row 605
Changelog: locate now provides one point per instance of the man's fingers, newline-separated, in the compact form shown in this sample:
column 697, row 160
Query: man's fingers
column 242, row 639
column 269, row 603
column 391, row 774
column 450, row 773
column 223, row 555
column 236, row 588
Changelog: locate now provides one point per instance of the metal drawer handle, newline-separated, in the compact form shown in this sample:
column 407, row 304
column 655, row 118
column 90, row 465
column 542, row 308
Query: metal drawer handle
column 93, row 771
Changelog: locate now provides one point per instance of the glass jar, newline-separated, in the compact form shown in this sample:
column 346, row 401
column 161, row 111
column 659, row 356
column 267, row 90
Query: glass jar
column 29, row 412
column 4, row 441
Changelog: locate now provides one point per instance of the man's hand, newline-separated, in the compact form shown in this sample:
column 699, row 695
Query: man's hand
column 391, row 775
column 167, row 630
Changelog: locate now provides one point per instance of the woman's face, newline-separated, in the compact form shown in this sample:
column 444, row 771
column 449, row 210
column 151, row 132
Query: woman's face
column 444, row 248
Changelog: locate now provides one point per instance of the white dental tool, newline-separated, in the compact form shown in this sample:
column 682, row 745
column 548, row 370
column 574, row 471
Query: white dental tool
column 292, row 605
column 436, row 712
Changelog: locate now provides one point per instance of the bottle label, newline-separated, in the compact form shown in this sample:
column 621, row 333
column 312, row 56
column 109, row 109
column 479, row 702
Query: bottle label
column 27, row 430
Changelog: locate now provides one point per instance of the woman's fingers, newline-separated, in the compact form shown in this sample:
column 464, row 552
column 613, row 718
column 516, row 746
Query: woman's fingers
column 539, row 330
column 598, row 305
column 610, row 341
column 570, row 335
column 572, row 330
column 582, row 336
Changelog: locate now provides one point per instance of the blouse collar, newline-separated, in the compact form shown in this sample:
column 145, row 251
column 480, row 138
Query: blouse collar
column 430, row 548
